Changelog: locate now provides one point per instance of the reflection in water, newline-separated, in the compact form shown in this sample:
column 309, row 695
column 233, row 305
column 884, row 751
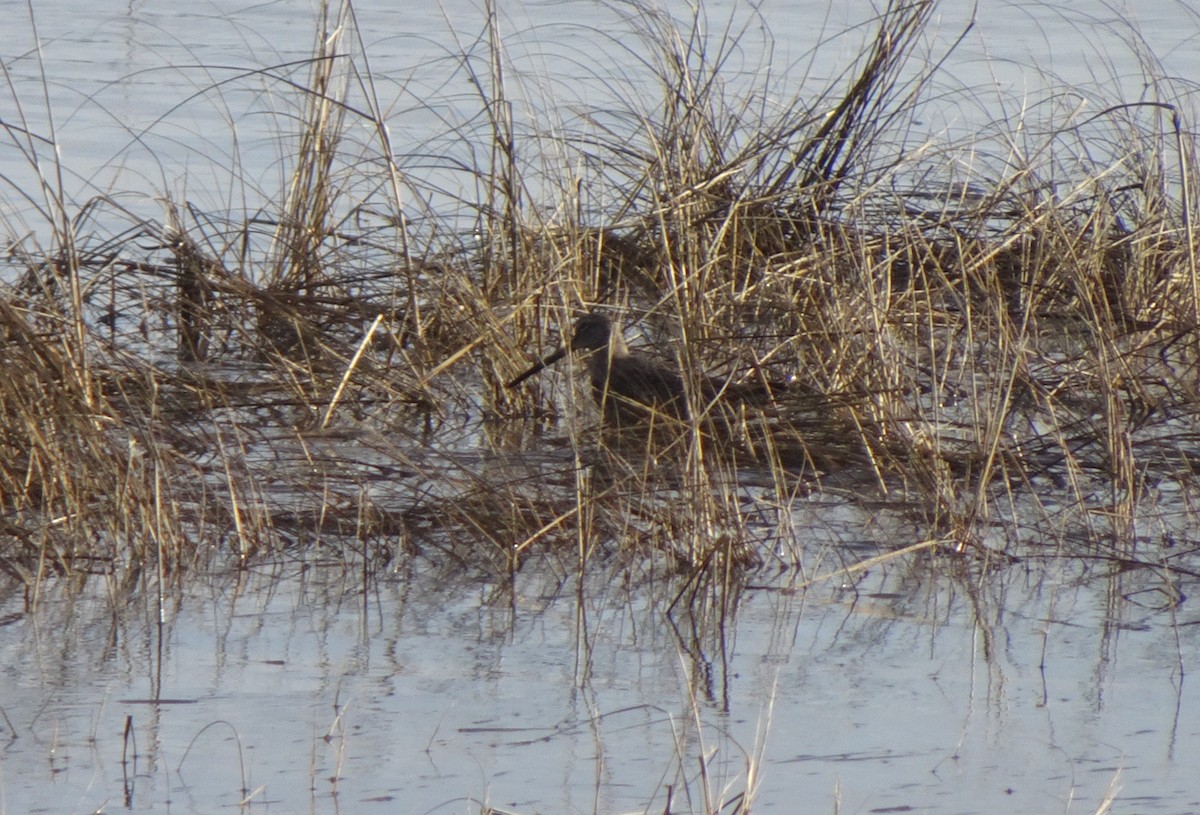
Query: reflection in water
column 913, row 687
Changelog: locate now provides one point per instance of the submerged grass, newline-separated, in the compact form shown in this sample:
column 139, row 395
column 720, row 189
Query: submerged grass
column 990, row 355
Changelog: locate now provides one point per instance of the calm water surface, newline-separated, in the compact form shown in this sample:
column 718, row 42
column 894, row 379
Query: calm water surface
column 1021, row 690
column 913, row 693
column 194, row 102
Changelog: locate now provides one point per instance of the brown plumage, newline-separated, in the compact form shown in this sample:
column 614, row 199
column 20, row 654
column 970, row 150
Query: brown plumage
column 629, row 386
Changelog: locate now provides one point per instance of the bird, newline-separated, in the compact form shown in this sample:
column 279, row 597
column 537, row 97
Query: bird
column 631, row 387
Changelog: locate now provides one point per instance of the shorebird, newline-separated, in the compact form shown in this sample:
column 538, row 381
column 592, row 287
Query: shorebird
column 631, row 387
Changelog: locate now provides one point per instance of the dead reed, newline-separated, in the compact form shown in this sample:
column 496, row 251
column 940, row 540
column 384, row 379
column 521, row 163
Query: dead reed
column 1006, row 362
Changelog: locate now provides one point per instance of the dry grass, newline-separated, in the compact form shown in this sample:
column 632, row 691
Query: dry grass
column 1009, row 364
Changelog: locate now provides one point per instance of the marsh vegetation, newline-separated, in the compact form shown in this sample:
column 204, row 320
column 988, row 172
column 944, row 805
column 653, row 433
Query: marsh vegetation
column 990, row 344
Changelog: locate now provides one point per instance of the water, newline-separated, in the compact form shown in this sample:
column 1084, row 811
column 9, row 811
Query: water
column 196, row 103
column 1025, row 688
column 918, row 692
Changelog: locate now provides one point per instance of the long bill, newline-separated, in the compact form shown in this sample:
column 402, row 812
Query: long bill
column 539, row 367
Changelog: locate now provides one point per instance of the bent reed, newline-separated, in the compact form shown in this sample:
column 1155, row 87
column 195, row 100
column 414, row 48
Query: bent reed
column 999, row 349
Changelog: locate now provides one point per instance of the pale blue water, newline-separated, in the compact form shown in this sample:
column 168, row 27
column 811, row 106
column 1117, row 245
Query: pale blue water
column 194, row 102
column 918, row 694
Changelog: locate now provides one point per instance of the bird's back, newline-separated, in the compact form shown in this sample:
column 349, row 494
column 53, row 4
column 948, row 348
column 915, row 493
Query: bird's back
column 634, row 388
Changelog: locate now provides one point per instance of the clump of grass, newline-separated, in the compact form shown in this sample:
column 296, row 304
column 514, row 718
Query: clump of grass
column 82, row 492
column 330, row 373
column 958, row 349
